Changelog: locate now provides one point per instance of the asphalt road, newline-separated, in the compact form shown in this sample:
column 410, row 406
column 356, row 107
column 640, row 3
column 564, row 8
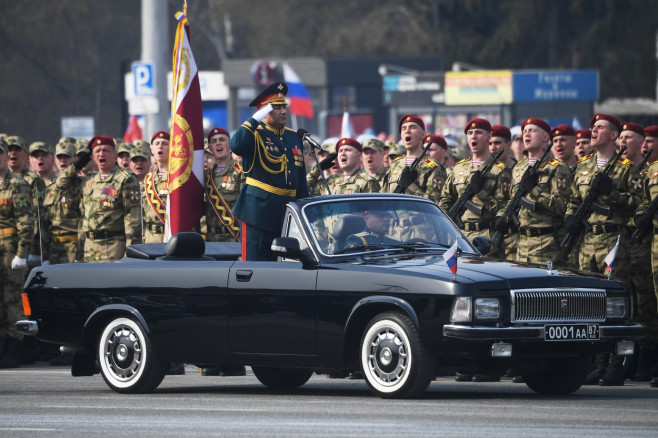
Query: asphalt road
column 44, row 401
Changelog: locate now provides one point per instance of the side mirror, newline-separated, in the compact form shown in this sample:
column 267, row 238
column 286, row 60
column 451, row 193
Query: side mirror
column 482, row 244
column 288, row 247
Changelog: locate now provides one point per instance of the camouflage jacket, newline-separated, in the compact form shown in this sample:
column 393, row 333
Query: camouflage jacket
column 38, row 188
column 429, row 182
column 491, row 198
column 359, row 182
column 626, row 195
column 63, row 207
column 16, row 213
column 228, row 181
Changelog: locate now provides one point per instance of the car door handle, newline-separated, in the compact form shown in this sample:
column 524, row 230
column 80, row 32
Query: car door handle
column 243, row 275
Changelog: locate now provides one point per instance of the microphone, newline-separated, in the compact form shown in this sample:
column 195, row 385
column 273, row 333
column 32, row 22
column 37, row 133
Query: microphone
column 304, row 135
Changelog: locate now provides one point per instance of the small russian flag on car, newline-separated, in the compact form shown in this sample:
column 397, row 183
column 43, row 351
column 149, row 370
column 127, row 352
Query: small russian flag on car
column 450, row 257
column 610, row 258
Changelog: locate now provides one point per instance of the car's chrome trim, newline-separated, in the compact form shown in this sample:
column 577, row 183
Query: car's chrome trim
column 27, row 327
column 549, row 305
column 534, row 332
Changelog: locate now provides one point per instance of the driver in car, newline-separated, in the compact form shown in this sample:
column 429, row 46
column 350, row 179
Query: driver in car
column 378, row 223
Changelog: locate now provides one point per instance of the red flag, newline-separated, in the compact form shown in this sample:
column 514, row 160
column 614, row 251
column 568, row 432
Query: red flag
column 133, row 131
column 185, row 203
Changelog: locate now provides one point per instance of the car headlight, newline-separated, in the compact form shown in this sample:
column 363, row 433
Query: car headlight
column 615, row 307
column 461, row 310
column 486, row 308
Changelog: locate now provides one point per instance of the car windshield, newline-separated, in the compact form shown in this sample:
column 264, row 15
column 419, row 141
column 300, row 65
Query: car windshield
column 349, row 226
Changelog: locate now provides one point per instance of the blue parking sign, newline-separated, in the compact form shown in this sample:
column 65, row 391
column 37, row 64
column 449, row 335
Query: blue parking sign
column 144, row 78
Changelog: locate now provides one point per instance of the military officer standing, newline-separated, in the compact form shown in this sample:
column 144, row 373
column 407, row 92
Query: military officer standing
column 223, row 182
column 16, row 233
column 491, row 190
column 617, row 197
column 273, row 163
column 110, row 203
column 428, row 178
column 541, row 214
column 155, row 189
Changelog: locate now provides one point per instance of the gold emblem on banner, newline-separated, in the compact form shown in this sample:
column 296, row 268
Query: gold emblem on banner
column 180, row 158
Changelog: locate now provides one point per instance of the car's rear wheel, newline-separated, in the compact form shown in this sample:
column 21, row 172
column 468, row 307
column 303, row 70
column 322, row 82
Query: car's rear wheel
column 128, row 361
column 395, row 362
column 562, row 375
column 282, row 378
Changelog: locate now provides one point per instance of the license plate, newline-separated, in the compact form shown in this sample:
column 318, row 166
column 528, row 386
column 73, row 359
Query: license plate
column 571, row 332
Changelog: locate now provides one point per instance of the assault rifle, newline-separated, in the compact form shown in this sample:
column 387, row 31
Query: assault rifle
column 464, row 201
column 512, row 209
column 414, row 165
column 645, row 158
column 586, row 207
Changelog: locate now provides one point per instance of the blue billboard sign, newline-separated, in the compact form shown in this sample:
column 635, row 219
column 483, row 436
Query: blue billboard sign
column 556, row 86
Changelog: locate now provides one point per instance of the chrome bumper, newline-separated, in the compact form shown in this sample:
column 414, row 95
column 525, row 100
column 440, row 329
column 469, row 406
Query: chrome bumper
column 607, row 332
column 27, row 327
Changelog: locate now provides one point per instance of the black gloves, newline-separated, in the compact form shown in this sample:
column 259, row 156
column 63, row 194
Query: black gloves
column 83, row 160
column 643, row 223
column 501, row 225
column 328, row 161
column 570, row 224
column 477, row 181
column 407, row 177
column 528, row 182
column 601, row 184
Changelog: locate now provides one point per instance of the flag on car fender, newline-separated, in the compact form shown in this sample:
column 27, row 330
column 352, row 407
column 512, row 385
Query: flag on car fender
column 185, row 202
column 450, row 257
column 610, row 258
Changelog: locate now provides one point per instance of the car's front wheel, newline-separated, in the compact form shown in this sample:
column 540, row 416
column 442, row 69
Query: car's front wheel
column 560, row 376
column 128, row 361
column 395, row 362
column 282, row 378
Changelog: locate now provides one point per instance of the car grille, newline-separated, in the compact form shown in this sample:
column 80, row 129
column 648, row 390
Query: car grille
column 558, row 305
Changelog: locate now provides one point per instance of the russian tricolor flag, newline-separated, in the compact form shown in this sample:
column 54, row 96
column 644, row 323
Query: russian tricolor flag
column 610, row 258
column 298, row 99
column 450, row 257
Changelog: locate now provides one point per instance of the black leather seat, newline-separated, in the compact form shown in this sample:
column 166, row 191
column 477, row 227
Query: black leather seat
column 185, row 246
column 346, row 225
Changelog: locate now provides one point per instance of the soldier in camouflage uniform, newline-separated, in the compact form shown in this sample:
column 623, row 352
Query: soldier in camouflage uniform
column 541, row 214
column 373, row 159
column 223, row 182
column 328, row 166
column 620, row 192
column 648, row 356
column 491, row 190
column 428, row 178
column 16, row 233
column 352, row 179
column 110, row 203
column 378, row 223
column 18, row 165
column 583, row 139
column 63, row 207
column 140, row 160
column 155, row 189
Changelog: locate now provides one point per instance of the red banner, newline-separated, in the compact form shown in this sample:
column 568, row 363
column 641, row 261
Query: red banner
column 185, row 203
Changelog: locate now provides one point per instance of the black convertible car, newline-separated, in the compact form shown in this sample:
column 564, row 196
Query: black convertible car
column 338, row 300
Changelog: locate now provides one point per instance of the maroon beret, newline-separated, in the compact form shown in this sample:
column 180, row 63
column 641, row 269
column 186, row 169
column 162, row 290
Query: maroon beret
column 100, row 139
column 478, row 124
column 436, row 139
column 635, row 127
column 583, row 133
column 349, row 142
column 651, row 131
column 501, row 131
column 160, row 134
column 612, row 119
column 537, row 122
column 410, row 118
column 217, row 130
column 563, row 130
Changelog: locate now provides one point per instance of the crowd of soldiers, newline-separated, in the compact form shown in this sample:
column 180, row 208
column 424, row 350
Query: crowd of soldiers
column 89, row 200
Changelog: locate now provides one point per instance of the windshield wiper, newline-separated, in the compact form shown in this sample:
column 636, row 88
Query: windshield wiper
column 364, row 248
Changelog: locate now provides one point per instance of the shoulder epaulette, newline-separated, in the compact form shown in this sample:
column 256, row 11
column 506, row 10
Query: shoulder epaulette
column 586, row 157
column 554, row 163
column 500, row 165
column 464, row 160
column 237, row 167
column 399, row 158
column 625, row 161
column 289, row 129
column 430, row 162
column 126, row 174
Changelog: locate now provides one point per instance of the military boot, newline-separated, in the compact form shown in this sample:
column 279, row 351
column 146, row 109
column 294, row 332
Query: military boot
column 646, row 360
column 601, row 365
column 614, row 375
column 11, row 357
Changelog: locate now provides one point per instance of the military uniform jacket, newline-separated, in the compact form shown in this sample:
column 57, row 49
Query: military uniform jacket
column 38, row 188
column 228, row 181
column 367, row 238
column 381, row 175
column 63, row 206
column 626, row 194
column 359, row 182
column 428, row 184
column 273, row 163
column 550, row 196
column 16, row 213
column 650, row 178
column 155, row 192
column 109, row 204
column 314, row 182
column 493, row 196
